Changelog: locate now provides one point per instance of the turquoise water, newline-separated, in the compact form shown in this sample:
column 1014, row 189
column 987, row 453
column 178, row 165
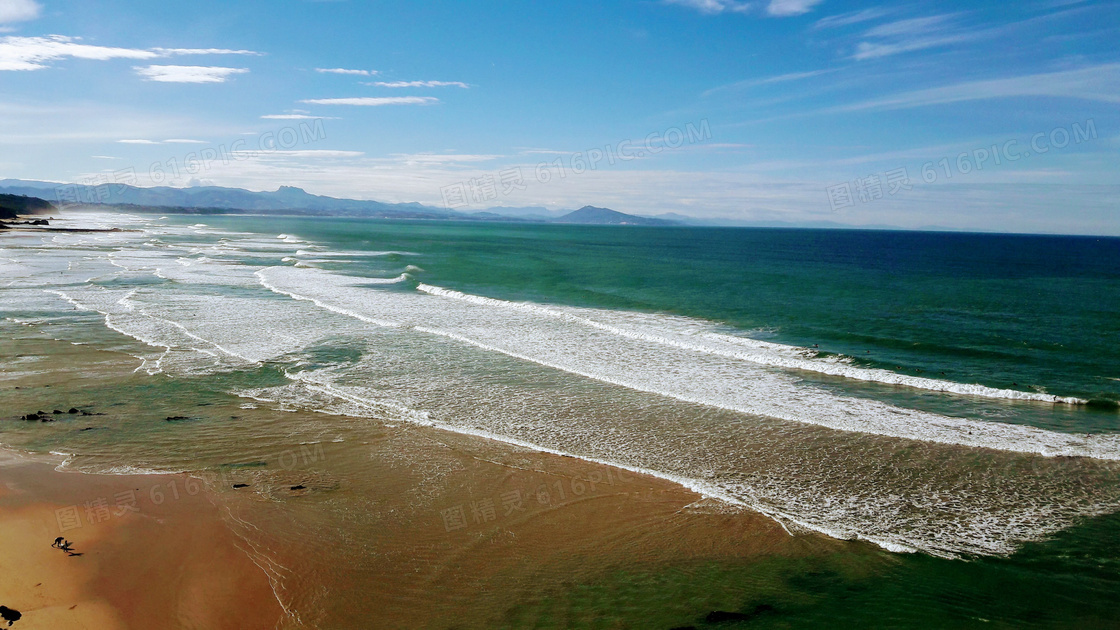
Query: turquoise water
column 1007, row 311
column 952, row 395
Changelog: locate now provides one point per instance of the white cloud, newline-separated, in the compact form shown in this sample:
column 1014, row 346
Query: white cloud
column 374, row 101
column 203, row 51
column 777, row 8
column 781, row 78
column 1094, row 83
column 712, row 7
column 911, row 34
column 184, row 141
column 105, row 157
column 405, row 84
column 130, row 141
column 872, row 50
column 296, row 117
column 307, row 153
column 18, row 10
column 188, row 74
column 34, row 53
column 361, row 73
column 847, row 19
column 441, row 158
column 912, row 27
column 784, row 8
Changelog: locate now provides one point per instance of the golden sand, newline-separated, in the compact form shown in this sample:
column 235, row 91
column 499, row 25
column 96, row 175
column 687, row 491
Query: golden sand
column 170, row 566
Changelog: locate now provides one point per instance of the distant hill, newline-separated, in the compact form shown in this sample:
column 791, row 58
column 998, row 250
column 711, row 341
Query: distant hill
column 533, row 213
column 285, row 199
column 14, row 205
column 590, row 215
column 296, row 201
column 290, row 200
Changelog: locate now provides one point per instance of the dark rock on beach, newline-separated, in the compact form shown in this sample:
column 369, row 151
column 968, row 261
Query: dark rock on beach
column 10, row 615
column 240, row 485
column 721, row 616
column 177, row 418
column 73, row 410
column 301, row 487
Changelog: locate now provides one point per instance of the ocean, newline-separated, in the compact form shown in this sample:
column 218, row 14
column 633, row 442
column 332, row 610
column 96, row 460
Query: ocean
column 945, row 401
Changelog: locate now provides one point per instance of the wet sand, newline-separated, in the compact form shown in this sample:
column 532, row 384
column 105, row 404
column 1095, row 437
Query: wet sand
column 309, row 520
column 138, row 565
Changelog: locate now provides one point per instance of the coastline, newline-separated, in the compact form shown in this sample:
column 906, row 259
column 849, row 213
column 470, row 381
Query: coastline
column 356, row 508
column 412, row 524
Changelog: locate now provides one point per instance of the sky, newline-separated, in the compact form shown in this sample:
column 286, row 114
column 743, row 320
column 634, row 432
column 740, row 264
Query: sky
column 970, row 115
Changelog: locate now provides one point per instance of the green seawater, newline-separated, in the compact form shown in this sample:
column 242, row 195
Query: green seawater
column 1017, row 313
column 1003, row 310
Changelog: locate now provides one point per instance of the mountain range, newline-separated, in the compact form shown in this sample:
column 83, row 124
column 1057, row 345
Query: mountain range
column 292, row 200
column 296, row 201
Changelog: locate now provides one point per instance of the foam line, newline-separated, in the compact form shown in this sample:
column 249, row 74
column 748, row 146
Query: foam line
column 643, row 368
column 769, row 354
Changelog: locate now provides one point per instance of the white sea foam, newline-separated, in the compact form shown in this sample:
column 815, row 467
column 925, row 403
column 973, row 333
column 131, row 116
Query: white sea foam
column 965, row 512
column 655, row 363
column 762, row 352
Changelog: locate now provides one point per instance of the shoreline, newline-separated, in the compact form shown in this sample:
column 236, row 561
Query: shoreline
column 334, row 522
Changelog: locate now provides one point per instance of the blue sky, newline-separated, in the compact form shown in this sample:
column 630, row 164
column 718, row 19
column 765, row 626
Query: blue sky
column 799, row 110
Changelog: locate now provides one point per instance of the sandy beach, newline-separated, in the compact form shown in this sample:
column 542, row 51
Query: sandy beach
column 133, row 564
column 405, row 524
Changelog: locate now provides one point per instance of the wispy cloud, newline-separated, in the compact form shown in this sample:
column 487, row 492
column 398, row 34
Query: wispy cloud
column 785, row 8
column 781, row 78
column 188, row 74
column 203, row 51
column 775, row 8
column 406, row 84
column 912, row 27
column 1094, row 83
column 35, row 53
column 374, row 101
column 441, row 158
column 360, row 73
column 712, row 7
column 854, row 17
column 911, row 34
column 315, row 153
column 168, row 141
